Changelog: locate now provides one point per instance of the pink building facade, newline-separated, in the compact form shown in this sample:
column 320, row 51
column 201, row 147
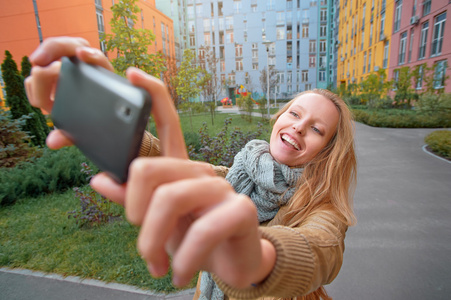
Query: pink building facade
column 422, row 34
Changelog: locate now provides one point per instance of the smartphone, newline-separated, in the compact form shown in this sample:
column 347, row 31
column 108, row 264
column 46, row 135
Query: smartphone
column 102, row 113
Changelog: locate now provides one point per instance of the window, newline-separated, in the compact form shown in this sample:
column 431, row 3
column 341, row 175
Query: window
column 304, row 75
column 192, row 41
column 312, row 46
column 439, row 74
column 419, row 83
column 411, row 45
column 437, row 37
column 369, row 61
column 222, row 66
column 323, row 31
column 423, row 40
column 229, row 37
column 312, row 61
column 371, row 34
column 229, row 23
column 255, row 66
column 402, row 49
column 426, row 7
column 239, row 64
column 237, row 6
column 280, row 33
column 395, row 79
column 322, row 46
column 322, row 61
column 363, row 41
column 323, row 15
column 190, row 12
column 270, row 4
column 322, row 76
column 382, row 23
column 100, row 22
column 398, row 11
column 305, row 30
column 385, row 62
column 280, row 77
column 238, row 50
column 364, row 63
column 232, row 79
column 206, row 24
column 280, row 18
column 207, row 39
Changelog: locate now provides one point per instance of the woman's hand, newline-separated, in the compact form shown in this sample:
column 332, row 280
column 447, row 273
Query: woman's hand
column 41, row 84
column 196, row 218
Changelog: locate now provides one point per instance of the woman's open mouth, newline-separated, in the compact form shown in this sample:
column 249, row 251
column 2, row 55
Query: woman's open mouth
column 288, row 140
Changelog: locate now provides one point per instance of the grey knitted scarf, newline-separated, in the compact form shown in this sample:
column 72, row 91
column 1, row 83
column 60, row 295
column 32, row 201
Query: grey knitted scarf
column 269, row 184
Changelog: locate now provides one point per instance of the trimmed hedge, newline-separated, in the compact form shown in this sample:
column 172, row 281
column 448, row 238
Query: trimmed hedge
column 55, row 171
column 402, row 119
column 440, row 142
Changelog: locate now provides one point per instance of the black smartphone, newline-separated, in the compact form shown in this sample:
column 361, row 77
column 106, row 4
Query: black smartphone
column 102, row 113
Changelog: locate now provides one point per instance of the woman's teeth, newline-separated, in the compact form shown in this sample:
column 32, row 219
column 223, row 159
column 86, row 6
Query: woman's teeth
column 292, row 142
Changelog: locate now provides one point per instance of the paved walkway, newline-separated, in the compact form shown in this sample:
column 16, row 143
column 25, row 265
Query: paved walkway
column 400, row 248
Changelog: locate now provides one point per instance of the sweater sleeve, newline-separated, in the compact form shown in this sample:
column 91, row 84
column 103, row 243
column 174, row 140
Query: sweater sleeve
column 150, row 146
column 308, row 257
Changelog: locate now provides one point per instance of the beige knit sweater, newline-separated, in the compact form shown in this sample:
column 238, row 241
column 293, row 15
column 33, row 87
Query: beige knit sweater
column 308, row 256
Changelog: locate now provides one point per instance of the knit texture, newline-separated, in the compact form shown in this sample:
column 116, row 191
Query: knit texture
column 269, row 184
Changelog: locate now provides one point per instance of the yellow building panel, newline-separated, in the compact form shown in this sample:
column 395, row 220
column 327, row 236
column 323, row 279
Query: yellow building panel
column 364, row 38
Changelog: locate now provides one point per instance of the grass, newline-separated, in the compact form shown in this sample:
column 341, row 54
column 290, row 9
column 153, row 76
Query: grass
column 238, row 121
column 36, row 234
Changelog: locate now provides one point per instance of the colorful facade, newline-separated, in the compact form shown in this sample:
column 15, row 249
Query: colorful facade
column 364, row 39
column 419, row 32
column 25, row 24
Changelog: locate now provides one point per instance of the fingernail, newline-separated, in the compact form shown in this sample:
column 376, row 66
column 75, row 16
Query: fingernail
column 91, row 51
column 177, row 281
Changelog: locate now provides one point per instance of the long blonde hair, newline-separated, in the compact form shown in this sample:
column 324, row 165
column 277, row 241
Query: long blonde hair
column 329, row 179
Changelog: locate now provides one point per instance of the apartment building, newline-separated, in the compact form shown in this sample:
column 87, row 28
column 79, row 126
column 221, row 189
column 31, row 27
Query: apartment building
column 290, row 36
column 418, row 39
column 364, row 36
column 25, row 24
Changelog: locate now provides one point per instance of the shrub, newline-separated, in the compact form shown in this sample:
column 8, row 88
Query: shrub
column 440, row 142
column 221, row 149
column 15, row 143
column 94, row 208
column 53, row 172
column 403, row 119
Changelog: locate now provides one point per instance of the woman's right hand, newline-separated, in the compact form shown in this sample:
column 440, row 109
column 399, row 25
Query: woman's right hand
column 41, row 84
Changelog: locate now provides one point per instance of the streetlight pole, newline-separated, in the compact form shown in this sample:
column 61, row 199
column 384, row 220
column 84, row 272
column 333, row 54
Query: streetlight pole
column 267, row 43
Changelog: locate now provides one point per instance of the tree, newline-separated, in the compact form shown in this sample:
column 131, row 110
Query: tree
column 375, row 88
column 264, row 81
column 404, row 91
column 188, row 80
column 211, row 83
column 17, row 101
column 25, row 69
column 131, row 44
column 170, row 78
column 14, row 143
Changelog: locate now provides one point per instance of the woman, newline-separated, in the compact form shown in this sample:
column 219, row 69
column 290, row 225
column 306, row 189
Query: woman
column 274, row 228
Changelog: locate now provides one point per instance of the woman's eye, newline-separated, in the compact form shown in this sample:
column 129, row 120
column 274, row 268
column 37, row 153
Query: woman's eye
column 316, row 130
column 294, row 114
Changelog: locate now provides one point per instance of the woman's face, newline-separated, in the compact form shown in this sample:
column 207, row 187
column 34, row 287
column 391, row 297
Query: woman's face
column 302, row 131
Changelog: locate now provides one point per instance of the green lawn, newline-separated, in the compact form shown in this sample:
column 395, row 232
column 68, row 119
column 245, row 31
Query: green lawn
column 36, row 234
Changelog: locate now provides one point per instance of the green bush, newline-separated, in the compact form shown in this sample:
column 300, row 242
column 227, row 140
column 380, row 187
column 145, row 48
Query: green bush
column 440, row 142
column 53, row 172
column 396, row 118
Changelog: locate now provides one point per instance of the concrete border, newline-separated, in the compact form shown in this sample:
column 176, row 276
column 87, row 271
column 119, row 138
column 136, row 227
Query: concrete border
column 434, row 155
column 98, row 283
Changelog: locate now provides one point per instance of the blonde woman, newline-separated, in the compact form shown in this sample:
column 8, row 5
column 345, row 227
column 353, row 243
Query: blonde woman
column 273, row 228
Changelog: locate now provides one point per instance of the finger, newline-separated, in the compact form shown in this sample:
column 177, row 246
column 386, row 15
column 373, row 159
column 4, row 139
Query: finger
column 109, row 188
column 56, row 140
column 40, row 86
column 171, row 202
column 54, row 48
column 230, row 229
column 146, row 174
column 164, row 113
column 94, row 56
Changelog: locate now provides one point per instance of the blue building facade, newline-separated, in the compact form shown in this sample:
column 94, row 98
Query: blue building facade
column 293, row 37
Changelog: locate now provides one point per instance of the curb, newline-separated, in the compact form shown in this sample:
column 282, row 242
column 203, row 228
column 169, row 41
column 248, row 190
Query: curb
column 182, row 295
column 434, row 155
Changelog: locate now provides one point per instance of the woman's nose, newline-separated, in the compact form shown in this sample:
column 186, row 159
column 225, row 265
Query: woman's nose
column 299, row 126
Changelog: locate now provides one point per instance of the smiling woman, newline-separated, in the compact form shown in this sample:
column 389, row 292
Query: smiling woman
column 274, row 227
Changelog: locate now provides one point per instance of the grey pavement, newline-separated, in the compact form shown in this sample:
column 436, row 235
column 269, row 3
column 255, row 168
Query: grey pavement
column 401, row 245
column 400, row 248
